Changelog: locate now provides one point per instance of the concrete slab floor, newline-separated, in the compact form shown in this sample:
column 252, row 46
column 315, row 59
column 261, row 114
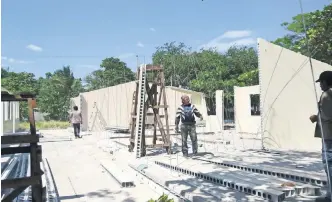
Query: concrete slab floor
column 242, row 150
column 79, row 175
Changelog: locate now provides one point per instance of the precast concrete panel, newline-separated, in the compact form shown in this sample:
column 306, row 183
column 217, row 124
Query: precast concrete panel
column 220, row 109
column 112, row 106
column 11, row 119
column 288, row 97
column 245, row 123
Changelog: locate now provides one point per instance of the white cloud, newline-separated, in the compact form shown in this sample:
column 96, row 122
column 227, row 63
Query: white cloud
column 126, row 55
column 235, row 34
column 139, row 44
column 3, row 58
column 239, row 38
column 34, row 48
column 14, row 61
column 152, row 29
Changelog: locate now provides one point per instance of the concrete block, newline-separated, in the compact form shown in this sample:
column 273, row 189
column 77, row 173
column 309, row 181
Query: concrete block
column 118, row 174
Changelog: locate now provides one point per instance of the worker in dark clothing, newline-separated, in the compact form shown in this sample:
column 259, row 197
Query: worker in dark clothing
column 325, row 115
column 186, row 113
column 75, row 118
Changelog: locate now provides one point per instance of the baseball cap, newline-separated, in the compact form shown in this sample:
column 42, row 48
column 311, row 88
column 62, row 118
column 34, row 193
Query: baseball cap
column 325, row 76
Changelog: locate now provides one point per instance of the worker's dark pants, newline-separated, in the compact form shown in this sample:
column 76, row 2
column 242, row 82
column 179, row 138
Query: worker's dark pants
column 327, row 162
column 77, row 129
column 188, row 129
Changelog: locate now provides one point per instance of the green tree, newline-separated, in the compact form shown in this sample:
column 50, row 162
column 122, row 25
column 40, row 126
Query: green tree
column 179, row 63
column 238, row 66
column 208, row 70
column 19, row 83
column 112, row 72
column 55, row 93
column 319, row 32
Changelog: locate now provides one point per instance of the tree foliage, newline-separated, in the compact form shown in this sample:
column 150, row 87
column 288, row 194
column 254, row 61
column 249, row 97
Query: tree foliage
column 56, row 91
column 319, row 32
column 112, row 72
column 19, row 83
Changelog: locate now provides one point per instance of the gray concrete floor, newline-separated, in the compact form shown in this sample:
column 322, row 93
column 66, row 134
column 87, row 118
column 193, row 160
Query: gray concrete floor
column 79, row 175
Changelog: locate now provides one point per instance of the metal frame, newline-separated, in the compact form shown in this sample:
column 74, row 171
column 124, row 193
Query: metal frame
column 35, row 150
column 153, row 97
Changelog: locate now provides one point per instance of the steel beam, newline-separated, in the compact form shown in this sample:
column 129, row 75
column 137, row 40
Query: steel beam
column 119, row 175
column 282, row 172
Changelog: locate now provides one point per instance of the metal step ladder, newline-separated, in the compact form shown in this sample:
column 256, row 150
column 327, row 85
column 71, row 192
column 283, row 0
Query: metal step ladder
column 140, row 111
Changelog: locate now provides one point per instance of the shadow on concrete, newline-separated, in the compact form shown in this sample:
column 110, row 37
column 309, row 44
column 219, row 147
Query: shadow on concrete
column 154, row 152
column 103, row 193
column 300, row 160
column 49, row 141
column 63, row 198
column 222, row 192
column 130, row 199
column 110, row 195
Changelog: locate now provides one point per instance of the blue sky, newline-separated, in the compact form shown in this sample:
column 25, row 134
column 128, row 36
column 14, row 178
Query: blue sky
column 40, row 36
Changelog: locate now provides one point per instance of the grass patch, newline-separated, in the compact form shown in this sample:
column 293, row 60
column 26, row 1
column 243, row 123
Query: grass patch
column 42, row 125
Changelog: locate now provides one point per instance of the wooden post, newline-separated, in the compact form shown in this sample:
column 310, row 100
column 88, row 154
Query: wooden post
column 34, row 161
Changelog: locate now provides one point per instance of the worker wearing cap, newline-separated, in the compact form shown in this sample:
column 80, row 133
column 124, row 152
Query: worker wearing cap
column 186, row 113
column 325, row 113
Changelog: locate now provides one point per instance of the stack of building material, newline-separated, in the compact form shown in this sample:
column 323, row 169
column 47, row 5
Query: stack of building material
column 267, row 187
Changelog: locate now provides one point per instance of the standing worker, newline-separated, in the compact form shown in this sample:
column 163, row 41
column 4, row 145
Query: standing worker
column 75, row 118
column 325, row 116
column 186, row 113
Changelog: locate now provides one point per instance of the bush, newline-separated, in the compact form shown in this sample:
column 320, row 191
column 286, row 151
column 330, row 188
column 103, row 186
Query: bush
column 162, row 198
column 42, row 125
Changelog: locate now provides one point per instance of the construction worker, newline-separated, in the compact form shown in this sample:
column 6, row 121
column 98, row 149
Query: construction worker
column 75, row 118
column 186, row 113
column 325, row 113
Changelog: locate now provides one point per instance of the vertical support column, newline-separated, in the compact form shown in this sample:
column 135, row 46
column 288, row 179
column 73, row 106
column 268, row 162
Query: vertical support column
column 220, row 109
column 155, row 121
column 13, row 115
column 5, row 110
column 168, row 137
column 81, row 110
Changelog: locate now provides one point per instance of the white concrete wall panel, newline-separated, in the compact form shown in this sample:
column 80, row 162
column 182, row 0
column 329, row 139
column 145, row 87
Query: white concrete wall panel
column 245, row 123
column 115, row 104
column 11, row 118
column 288, row 97
column 220, row 109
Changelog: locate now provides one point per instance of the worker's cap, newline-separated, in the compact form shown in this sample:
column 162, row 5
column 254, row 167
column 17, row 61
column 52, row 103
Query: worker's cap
column 325, row 76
